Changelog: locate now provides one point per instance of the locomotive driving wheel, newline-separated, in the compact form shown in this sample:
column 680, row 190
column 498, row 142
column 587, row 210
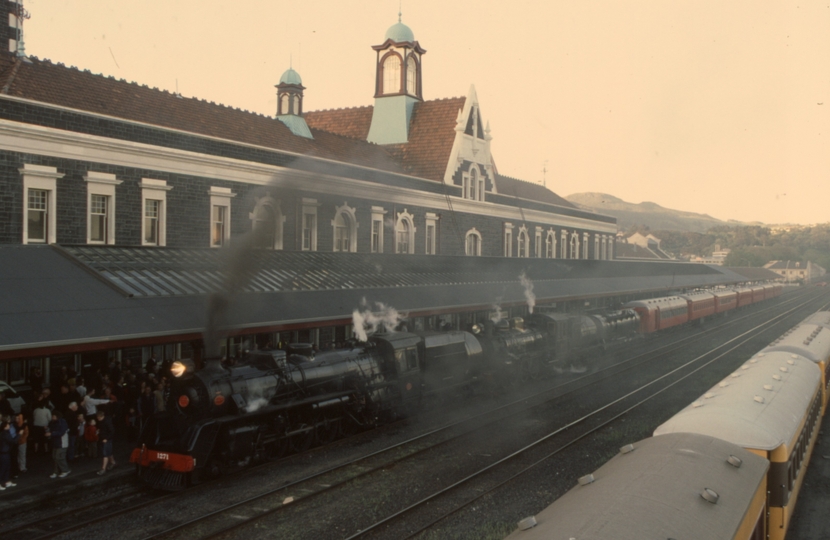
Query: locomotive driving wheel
column 328, row 427
column 528, row 369
column 302, row 432
column 279, row 445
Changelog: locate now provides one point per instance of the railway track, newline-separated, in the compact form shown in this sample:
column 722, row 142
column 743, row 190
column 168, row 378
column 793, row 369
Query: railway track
column 238, row 522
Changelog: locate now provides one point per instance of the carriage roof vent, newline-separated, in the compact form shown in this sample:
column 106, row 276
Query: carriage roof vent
column 710, row 495
column 587, row 479
column 527, row 523
column 735, row 461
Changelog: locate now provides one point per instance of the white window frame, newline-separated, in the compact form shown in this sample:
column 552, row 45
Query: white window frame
column 152, row 189
column 574, row 246
column 275, row 205
column 46, row 179
column 472, row 233
column 563, row 244
column 378, row 214
column 508, row 239
column 537, row 243
column 391, row 83
column 550, row 242
column 411, row 75
column 349, row 212
column 585, row 245
column 98, row 183
column 309, row 209
column 523, row 238
column 431, row 234
column 408, row 218
column 470, row 189
column 220, row 196
column 596, row 245
column 604, row 249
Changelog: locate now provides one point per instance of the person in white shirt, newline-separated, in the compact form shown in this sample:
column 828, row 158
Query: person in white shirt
column 90, row 403
column 40, row 419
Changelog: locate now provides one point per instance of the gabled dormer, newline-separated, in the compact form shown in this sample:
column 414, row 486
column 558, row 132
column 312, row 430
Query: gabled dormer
column 397, row 85
column 290, row 103
column 470, row 165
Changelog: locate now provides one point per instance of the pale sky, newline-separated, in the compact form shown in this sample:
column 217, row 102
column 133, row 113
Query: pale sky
column 710, row 106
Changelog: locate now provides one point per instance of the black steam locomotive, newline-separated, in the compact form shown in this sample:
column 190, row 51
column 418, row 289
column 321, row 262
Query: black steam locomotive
column 219, row 418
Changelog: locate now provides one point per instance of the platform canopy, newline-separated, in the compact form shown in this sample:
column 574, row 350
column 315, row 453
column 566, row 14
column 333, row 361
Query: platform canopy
column 74, row 296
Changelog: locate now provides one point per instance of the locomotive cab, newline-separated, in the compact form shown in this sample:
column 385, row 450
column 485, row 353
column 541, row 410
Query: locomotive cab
column 407, row 354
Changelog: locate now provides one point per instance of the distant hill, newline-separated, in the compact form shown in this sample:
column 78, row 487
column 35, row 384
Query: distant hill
column 646, row 213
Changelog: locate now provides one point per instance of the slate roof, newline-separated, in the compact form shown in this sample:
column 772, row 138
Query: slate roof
column 57, row 298
column 786, row 265
column 44, row 81
column 513, row 187
column 623, row 250
column 752, row 273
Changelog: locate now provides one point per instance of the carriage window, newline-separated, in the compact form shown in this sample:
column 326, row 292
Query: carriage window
column 412, row 359
column 407, row 359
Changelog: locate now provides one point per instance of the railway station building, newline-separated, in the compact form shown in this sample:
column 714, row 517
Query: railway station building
column 123, row 205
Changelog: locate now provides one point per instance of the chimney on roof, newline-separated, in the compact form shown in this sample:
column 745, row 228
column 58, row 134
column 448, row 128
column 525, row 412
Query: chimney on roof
column 13, row 26
column 9, row 32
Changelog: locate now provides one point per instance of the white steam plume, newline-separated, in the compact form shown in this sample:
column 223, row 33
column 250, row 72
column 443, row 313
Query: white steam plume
column 496, row 315
column 366, row 321
column 256, row 404
column 528, row 285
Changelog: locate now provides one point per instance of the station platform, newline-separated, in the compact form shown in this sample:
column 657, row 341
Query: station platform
column 34, row 487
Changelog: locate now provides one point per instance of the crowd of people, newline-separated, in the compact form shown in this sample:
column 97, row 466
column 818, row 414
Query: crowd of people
column 77, row 417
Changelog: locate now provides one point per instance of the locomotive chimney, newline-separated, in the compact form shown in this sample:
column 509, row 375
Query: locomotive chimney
column 214, row 365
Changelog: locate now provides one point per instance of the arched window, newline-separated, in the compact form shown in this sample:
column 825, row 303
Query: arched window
column 345, row 229
column 604, row 252
column 473, row 243
column 404, row 233
column 411, row 76
column 392, row 74
column 296, row 108
column 284, row 104
column 524, row 243
column 574, row 246
column 563, row 251
column 266, row 221
column 550, row 245
column 472, row 184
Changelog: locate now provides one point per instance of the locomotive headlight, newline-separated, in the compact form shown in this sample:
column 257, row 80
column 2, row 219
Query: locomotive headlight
column 178, row 369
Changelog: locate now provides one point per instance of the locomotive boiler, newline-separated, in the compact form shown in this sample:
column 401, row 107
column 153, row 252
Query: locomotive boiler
column 224, row 417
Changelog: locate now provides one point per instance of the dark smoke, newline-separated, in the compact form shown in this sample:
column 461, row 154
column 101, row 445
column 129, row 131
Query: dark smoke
column 239, row 265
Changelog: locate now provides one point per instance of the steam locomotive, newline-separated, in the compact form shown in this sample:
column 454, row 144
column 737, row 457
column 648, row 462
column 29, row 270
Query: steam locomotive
column 222, row 417
column 219, row 418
